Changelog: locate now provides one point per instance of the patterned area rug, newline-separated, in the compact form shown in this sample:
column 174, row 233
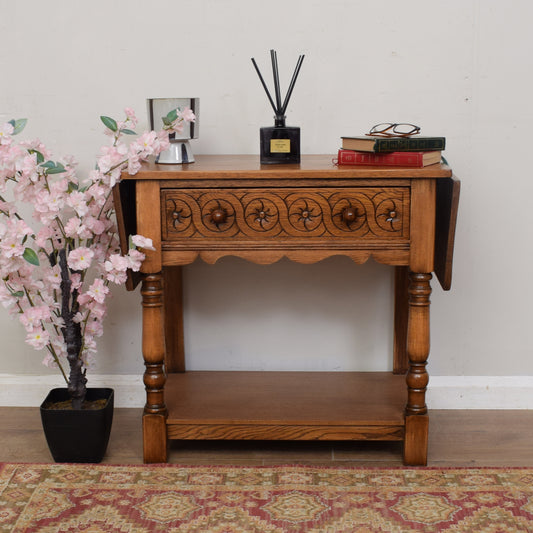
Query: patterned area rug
column 169, row 498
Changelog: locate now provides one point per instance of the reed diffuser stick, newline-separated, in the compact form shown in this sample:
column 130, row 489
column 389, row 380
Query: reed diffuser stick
column 279, row 107
column 275, row 73
column 291, row 85
column 264, row 86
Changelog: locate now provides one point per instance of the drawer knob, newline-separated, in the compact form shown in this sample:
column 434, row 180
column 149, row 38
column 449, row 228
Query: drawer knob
column 349, row 214
column 218, row 216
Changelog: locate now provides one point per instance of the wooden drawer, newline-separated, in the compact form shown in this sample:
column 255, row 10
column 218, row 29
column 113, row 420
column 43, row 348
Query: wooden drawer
column 197, row 218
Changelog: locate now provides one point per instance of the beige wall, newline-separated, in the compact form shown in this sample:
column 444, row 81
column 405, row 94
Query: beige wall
column 458, row 68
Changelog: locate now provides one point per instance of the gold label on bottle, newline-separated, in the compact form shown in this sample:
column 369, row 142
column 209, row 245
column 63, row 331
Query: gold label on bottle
column 280, row 146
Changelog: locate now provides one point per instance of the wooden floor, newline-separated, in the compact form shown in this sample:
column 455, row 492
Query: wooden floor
column 457, row 438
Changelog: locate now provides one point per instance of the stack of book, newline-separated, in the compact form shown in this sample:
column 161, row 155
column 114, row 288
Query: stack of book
column 391, row 151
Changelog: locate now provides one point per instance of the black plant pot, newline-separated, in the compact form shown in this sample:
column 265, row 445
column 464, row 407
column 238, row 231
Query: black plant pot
column 78, row 435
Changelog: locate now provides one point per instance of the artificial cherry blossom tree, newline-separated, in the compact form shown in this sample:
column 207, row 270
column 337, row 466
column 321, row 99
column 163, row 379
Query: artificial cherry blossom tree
column 56, row 267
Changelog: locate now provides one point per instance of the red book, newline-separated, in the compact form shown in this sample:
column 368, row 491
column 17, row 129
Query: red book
column 393, row 159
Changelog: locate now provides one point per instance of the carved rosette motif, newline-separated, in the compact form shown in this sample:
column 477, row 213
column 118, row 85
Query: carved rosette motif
column 298, row 213
column 261, row 214
column 305, row 214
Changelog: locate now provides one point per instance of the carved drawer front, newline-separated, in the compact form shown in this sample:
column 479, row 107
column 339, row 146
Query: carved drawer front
column 308, row 216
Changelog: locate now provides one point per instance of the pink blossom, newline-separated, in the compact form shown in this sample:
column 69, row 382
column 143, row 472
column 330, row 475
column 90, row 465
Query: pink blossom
column 98, row 290
column 31, row 318
column 116, row 276
column 115, row 268
column 80, row 258
column 84, row 299
column 44, row 234
column 164, row 141
column 18, row 227
column 98, row 310
column 79, row 317
column 85, row 233
column 8, row 207
column 54, row 277
column 134, row 164
column 142, row 242
column 131, row 117
column 147, row 144
column 78, row 201
column 112, row 177
column 187, row 115
column 95, row 328
column 49, row 361
column 95, row 225
column 6, row 298
column 96, row 191
column 111, row 156
column 75, row 280
column 29, row 168
column 89, row 349
column 59, row 187
column 72, row 226
column 70, row 161
column 47, row 206
column 177, row 126
column 135, row 259
column 12, row 236
column 38, row 338
column 106, row 242
column 116, row 262
column 6, row 130
column 37, row 145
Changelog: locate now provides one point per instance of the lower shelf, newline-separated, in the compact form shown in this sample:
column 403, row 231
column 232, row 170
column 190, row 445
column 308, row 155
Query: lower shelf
column 286, row 405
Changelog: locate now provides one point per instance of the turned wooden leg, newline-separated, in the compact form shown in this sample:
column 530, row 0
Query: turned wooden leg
column 153, row 348
column 416, row 421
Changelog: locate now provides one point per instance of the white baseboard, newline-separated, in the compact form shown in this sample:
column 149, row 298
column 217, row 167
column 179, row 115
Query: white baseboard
column 444, row 392
column 480, row 392
column 30, row 391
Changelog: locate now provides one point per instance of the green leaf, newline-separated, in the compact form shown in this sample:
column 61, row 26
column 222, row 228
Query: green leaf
column 40, row 157
column 31, row 256
column 109, row 122
column 18, row 125
column 18, row 294
column 172, row 116
column 128, row 132
column 57, row 170
column 53, row 168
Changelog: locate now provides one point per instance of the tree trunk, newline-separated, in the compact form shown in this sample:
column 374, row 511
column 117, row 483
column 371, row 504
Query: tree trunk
column 72, row 335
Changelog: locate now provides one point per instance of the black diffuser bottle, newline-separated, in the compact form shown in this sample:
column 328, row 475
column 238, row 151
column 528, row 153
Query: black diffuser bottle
column 279, row 144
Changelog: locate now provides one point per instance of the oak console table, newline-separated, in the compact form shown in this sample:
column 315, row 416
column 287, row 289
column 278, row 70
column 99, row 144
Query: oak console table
column 232, row 206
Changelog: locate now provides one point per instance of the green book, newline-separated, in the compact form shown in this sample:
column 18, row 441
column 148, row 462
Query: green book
column 368, row 143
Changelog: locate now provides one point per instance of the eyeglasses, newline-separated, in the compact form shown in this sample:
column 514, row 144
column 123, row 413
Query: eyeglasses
column 388, row 129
